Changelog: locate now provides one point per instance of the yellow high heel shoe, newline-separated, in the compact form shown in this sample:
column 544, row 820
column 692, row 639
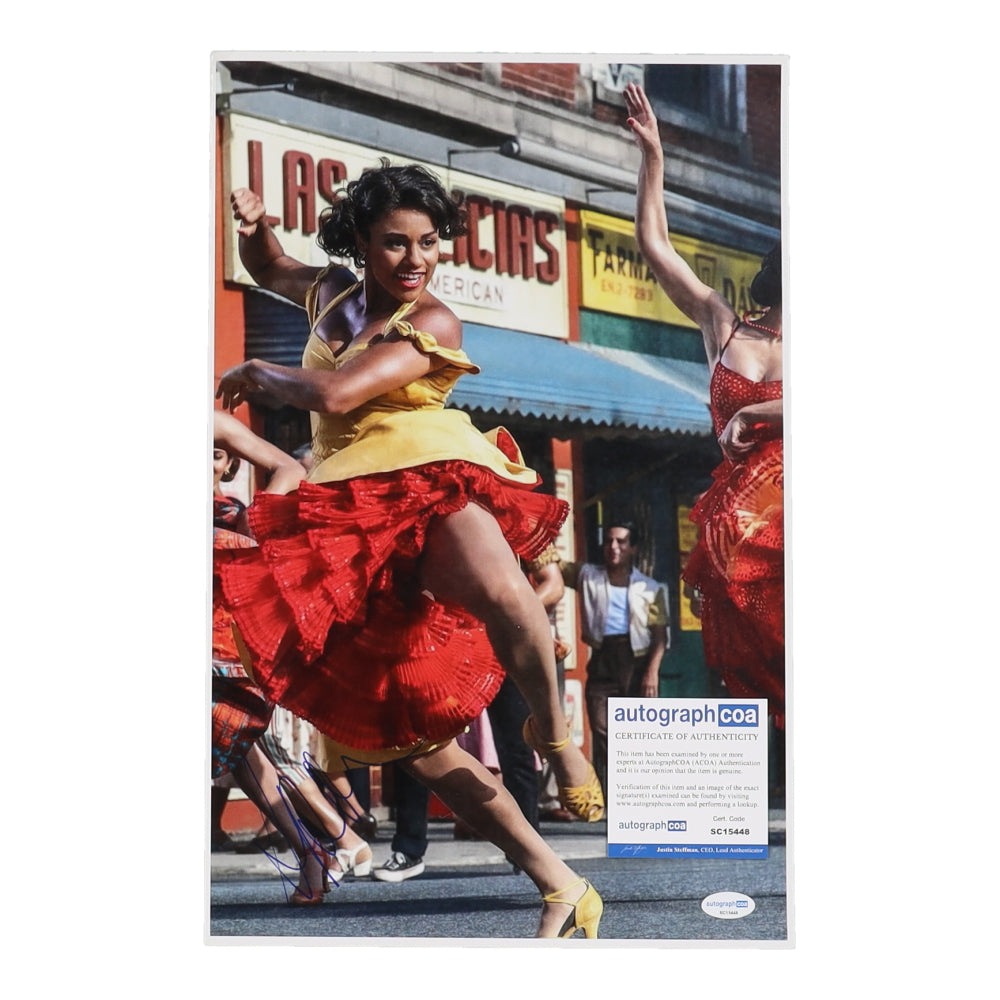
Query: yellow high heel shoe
column 586, row 913
column 585, row 801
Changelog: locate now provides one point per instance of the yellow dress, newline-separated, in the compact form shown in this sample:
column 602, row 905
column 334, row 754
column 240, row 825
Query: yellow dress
column 330, row 605
column 407, row 426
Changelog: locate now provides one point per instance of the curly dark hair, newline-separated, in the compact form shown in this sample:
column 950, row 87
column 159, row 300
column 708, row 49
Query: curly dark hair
column 380, row 190
column 765, row 289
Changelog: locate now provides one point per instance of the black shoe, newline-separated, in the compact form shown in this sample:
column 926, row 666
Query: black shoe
column 399, row 868
column 365, row 826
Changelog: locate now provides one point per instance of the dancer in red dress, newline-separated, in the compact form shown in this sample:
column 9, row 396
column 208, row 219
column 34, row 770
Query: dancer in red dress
column 385, row 601
column 738, row 562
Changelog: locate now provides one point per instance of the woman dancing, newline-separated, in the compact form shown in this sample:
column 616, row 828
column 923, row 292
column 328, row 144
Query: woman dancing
column 737, row 566
column 386, row 593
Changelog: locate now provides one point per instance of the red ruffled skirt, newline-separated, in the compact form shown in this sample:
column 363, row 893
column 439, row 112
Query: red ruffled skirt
column 738, row 565
column 330, row 607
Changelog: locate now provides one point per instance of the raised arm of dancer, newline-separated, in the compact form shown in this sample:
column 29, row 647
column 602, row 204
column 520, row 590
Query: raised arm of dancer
column 387, row 363
column 699, row 302
column 285, row 473
column 262, row 254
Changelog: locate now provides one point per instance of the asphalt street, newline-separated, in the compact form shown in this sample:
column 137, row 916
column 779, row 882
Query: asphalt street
column 469, row 891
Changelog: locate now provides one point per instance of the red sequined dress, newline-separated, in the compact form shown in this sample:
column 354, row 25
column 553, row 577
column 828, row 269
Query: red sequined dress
column 330, row 606
column 738, row 562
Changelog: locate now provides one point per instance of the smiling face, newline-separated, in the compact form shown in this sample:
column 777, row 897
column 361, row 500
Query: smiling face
column 618, row 550
column 401, row 252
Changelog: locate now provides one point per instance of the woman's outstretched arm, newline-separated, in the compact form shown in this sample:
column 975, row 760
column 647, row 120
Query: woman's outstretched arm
column 699, row 302
column 387, row 363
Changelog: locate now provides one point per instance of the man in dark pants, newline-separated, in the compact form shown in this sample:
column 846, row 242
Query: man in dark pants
column 507, row 713
column 625, row 621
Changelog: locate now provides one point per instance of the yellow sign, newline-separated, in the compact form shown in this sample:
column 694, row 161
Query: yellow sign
column 616, row 279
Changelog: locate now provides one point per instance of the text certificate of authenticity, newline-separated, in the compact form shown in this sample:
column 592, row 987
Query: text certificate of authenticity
column 687, row 777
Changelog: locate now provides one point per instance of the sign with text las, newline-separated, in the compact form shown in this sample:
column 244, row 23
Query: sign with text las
column 508, row 271
column 616, row 279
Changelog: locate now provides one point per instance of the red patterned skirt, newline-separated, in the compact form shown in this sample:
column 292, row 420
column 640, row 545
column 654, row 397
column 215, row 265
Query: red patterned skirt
column 331, row 611
column 739, row 567
column 240, row 716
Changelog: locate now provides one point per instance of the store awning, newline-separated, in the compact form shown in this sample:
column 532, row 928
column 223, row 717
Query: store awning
column 534, row 376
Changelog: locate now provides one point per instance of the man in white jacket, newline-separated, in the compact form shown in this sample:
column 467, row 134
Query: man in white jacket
column 625, row 620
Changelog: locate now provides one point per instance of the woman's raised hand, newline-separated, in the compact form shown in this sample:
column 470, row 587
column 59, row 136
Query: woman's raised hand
column 641, row 119
column 248, row 209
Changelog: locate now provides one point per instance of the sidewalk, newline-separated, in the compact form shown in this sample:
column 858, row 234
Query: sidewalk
column 571, row 841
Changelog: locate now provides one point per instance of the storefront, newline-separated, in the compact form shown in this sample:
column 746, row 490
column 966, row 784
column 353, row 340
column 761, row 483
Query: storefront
column 601, row 381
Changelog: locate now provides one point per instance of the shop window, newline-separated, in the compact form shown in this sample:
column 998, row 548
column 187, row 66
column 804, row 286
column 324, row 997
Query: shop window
column 704, row 97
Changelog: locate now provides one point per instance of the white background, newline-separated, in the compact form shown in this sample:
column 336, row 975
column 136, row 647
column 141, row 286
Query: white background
column 107, row 116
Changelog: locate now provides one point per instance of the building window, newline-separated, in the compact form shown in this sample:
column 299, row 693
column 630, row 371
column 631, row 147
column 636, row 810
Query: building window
column 687, row 87
column 702, row 97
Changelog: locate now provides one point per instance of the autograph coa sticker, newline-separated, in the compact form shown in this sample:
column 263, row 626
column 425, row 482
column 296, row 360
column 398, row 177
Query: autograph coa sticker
column 687, row 777
column 728, row 905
